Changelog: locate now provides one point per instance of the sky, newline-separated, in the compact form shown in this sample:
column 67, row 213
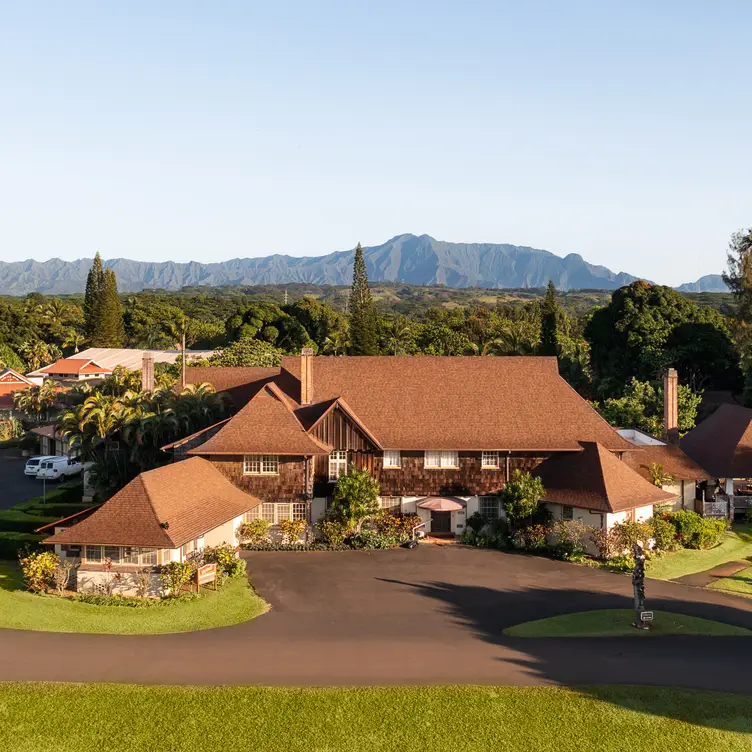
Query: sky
column 213, row 130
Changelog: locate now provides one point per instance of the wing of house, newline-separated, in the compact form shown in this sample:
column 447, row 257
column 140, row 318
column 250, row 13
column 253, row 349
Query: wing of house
column 10, row 382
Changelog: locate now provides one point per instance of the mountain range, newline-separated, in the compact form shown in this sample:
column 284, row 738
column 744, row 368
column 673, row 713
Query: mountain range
column 418, row 260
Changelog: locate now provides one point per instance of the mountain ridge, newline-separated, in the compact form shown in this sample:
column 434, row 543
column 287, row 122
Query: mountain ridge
column 407, row 258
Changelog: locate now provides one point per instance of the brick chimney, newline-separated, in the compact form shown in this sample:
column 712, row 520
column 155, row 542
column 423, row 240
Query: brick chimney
column 671, row 406
column 306, row 376
column 147, row 372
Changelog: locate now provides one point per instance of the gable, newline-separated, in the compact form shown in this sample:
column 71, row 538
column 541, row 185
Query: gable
column 339, row 431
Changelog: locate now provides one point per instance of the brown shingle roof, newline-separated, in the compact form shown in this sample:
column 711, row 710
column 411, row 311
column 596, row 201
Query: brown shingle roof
column 467, row 403
column 240, row 383
column 722, row 443
column 191, row 497
column 266, row 425
column 594, row 478
column 675, row 462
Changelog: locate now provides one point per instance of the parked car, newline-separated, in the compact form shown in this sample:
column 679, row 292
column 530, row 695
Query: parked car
column 33, row 463
column 58, row 468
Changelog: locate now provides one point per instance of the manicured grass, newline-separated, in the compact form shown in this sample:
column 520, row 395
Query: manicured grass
column 740, row 583
column 128, row 718
column 234, row 603
column 737, row 544
column 618, row 622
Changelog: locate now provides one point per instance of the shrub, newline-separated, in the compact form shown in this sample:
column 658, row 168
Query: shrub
column 570, row 535
column 292, row 530
column 664, row 534
column 694, row 531
column 255, row 532
column 14, row 545
column 372, row 539
column 175, row 576
column 748, row 515
column 61, row 576
column 397, row 526
column 626, row 534
column 476, row 522
column 621, row 563
column 38, row 569
column 604, row 541
column 228, row 564
column 499, row 532
column 143, row 580
column 520, row 497
column 531, row 538
column 98, row 599
column 355, row 498
column 333, row 532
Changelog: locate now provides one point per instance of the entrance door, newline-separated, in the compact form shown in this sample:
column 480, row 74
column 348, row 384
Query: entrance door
column 441, row 522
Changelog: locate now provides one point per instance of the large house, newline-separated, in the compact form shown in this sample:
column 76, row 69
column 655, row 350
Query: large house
column 71, row 370
column 10, row 382
column 442, row 435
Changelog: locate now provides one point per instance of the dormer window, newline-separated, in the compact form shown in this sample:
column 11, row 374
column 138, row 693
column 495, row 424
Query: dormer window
column 392, row 458
column 490, row 460
column 260, row 464
column 442, row 459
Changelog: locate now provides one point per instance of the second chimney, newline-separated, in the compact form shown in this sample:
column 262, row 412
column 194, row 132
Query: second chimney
column 147, row 372
column 306, row 376
column 671, row 406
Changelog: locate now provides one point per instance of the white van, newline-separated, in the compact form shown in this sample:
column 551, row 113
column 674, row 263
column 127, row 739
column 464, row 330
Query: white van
column 33, row 463
column 57, row 468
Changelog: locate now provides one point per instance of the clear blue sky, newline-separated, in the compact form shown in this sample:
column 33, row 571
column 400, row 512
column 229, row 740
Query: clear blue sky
column 211, row 130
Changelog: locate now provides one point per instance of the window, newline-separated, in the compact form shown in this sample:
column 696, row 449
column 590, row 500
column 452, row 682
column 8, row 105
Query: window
column 112, row 553
column 488, row 506
column 337, row 464
column 445, row 458
column 260, row 464
column 274, row 513
column 567, row 513
column 490, row 460
column 142, row 557
column 93, row 553
column 392, row 458
column 390, row 503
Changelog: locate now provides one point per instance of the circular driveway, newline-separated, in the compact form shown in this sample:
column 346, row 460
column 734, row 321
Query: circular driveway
column 427, row 616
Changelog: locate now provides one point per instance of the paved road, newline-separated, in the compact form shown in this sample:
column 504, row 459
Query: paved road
column 433, row 615
column 14, row 485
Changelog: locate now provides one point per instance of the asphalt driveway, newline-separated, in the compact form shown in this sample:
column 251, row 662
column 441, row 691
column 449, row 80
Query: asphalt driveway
column 14, row 485
column 434, row 615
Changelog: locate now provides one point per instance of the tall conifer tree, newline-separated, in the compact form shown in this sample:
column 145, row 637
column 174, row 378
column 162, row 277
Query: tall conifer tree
column 93, row 299
column 549, row 344
column 112, row 331
column 364, row 339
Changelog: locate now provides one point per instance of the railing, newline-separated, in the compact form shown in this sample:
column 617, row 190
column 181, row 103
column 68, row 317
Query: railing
column 717, row 508
column 415, row 528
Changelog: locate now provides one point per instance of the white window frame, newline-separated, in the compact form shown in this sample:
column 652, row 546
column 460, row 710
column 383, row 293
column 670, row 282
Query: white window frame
column 274, row 512
column 391, row 504
column 484, row 502
column 129, row 555
column 489, row 460
column 261, row 464
column 444, row 459
column 392, row 458
column 567, row 512
column 337, row 464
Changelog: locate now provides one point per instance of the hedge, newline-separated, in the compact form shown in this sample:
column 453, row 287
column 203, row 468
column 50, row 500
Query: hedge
column 11, row 543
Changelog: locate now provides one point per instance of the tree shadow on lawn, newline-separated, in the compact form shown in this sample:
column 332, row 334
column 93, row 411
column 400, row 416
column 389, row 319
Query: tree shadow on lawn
column 710, row 663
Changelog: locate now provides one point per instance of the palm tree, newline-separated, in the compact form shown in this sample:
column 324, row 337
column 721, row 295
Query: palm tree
column 37, row 400
column 657, row 476
column 73, row 339
column 399, row 336
column 335, row 342
column 37, row 353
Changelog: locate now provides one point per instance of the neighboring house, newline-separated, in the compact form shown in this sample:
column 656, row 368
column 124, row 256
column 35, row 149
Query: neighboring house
column 71, row 370
column 10, row 382
column 688, row 478
column 597, row 488
column 161, row 516
column 130, row 358
column 51, row 443
column 722, row 444
column 441, row 435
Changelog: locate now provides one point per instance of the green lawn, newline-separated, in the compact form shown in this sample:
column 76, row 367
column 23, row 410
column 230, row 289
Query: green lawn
column 618, row 622
column 740, row 583
column 234, row 603
column 128, row 718
column 737, row 544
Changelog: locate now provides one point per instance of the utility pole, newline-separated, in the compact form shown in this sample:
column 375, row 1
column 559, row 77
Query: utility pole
column 285, row 296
